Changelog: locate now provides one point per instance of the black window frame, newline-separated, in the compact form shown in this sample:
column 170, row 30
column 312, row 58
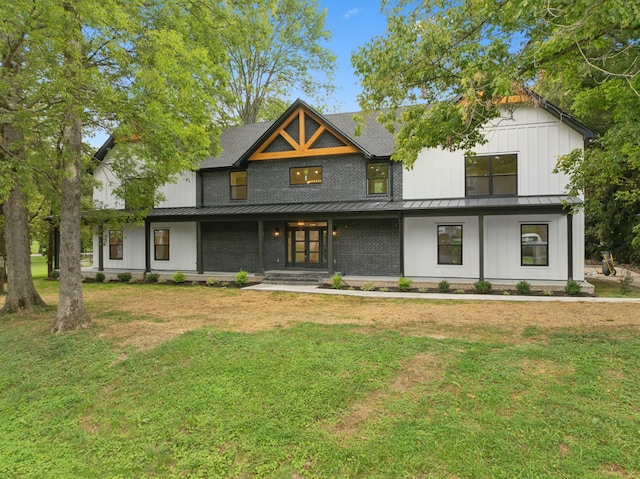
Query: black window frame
column 491, row 176
column 308, row 182
column 118, row 235
column 234, row 189
column 542, row 244
column 161, row 245
column 372, row 179
column 450, row 244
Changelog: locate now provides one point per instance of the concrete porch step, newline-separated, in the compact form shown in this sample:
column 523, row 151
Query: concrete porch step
column 294, row 277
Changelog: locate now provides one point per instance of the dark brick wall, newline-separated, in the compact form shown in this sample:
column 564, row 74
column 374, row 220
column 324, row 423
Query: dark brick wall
column 230, row 246
column 343, row 179
column 368, row 247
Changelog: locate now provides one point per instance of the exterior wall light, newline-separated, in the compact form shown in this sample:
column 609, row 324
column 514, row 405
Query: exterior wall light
column 335, row 232
column 276, row 233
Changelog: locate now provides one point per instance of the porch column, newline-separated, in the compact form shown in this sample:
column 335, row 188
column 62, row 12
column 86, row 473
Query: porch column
column 199, row 263
column 261, row 246
column 481, row 247
column 401, row 231
column 569, row 246
column 330, row 246
column 147, row 245
column 100, row 249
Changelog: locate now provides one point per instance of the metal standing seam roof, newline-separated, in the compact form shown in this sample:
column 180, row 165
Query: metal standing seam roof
column 426, row 205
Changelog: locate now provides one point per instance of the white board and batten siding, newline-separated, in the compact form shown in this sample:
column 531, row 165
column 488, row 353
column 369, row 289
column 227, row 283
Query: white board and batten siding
column 182, row 249
column 536, row 136
column 182, row 193
column 502, row 248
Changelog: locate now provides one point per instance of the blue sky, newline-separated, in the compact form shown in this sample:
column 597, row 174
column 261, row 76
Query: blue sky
column 352, row 24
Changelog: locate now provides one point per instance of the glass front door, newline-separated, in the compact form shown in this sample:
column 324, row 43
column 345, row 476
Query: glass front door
column 307, row 245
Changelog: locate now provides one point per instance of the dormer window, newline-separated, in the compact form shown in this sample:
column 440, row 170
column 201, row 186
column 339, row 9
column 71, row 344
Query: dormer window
column 491, row 175
column 309, row 175
column 377, row 178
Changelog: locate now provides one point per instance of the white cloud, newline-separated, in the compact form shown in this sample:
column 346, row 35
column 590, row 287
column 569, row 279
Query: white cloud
column 350, row 13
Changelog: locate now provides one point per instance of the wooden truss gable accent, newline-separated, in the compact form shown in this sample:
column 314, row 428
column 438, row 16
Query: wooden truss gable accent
column 303, row 134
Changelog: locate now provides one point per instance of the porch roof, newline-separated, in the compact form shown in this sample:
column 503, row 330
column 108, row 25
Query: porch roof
column 445, row 206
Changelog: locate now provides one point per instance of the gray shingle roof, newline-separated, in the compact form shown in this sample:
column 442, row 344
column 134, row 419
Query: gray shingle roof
column 236, row 141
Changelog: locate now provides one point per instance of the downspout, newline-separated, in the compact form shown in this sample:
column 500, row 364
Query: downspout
column 570, row 246
column 481, row 247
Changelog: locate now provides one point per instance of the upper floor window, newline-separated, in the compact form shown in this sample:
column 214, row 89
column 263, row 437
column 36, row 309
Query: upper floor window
column 238, row 184
column 449, row 244
column 377, row 178
column 115, row 244
column 305, row 176
column 491, row 175
column 534, row 245
column 161, row 245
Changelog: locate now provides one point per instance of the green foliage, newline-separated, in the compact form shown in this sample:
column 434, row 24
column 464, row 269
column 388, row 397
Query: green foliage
column 55, row 274
column 242, row 278
column 368, row 286
column 625, row 282
column 152, row 277
column 572, row 287
column 124, row 277
column 483, row 286
column 100, row 277
column 404, row 284
column 178, row 277
column 212, row 282
column 523, row 287
column 336, row 281
column 274, row 47
column 444, row 286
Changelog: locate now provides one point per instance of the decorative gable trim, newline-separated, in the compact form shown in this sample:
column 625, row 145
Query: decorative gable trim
column 303, row 134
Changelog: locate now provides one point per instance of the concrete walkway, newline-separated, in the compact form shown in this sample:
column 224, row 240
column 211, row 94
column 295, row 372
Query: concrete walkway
column 438, row 296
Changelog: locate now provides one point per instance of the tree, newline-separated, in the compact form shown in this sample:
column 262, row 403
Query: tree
column 276, row 48
column 451, row 62
column 128, row 67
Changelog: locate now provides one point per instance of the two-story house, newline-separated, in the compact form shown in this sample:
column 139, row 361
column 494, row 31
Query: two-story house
column 304, row 192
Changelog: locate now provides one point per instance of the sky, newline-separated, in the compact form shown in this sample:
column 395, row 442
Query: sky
column 352, row 24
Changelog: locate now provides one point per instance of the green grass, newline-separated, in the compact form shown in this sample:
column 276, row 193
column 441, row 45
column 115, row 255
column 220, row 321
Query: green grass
column 611, row 289
column 39, row 266
column 318, row 401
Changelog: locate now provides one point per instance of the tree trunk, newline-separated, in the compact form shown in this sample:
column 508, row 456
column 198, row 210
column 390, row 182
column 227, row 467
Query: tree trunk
column 21, row 294
column 71, row 310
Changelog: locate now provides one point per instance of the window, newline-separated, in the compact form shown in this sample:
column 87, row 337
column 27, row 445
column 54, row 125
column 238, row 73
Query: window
column 492, row 175
column 238, row 183
column 534, row 245
column 449, row 244
column 377, row 174
column 161, row 245
column 115, row 244
column 305, row 176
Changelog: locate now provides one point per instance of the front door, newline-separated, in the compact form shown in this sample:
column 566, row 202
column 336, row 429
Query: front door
column 307, row 245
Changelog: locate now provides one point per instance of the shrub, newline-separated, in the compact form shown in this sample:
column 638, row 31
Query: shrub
column 384, row 289
column 124, row 277
column 368, row 286
column 336, row 281
column 625, row 283
column 133, row 281
column 422, row 290
column 460, row 291
column 55, row 274
column 523, row 287
column 153, row 277
column 211, row 282
column 178, row 277
column 100, row 277
column 242, row 278
column 572, row 287
column 162, row 281
column 405, row 284
column 482, row 286
column 443, row 286
column 547, row 292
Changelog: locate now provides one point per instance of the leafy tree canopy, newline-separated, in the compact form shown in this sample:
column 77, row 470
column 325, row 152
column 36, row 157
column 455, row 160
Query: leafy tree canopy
column 275, row 47
column 449, row 62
